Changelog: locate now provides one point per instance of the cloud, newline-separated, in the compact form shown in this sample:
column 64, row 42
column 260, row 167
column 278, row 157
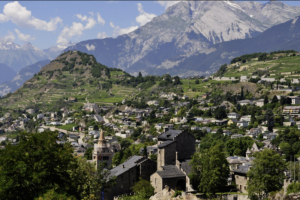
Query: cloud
column 68, row 32
column 144, row 17
column 167, row 4
column 22, row 17
column 120, row 31
column 23, row 37
column 77, row 28
column 82, row 18
column 9, row 37
column 112, row 25
column 100, row 19
column 101, row 35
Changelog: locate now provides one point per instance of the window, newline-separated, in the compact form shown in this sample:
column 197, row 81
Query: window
column 245, row 187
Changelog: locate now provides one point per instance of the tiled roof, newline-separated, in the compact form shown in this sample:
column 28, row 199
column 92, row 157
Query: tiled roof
column 170, row 171
column 165, row 143
column 130, row 163
column 169, row 135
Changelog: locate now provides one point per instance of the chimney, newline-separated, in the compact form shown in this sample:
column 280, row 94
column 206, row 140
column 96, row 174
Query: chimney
column 123, row 166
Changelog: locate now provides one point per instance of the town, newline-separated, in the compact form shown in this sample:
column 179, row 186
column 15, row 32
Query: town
column 161, row 140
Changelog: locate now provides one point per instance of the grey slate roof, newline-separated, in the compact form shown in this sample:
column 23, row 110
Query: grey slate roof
column 170, row 171
column 242, row 169
column 169, row 135
column 186, row 167
column 162, row 145
column 130, row 163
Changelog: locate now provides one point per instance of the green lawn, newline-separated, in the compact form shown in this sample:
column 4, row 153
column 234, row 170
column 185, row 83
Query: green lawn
column 67, row 127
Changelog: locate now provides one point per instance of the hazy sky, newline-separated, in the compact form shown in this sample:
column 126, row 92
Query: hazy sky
column 49, row 23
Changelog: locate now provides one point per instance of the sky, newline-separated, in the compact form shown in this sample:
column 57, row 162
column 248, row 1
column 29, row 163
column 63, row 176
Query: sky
column 50, row 23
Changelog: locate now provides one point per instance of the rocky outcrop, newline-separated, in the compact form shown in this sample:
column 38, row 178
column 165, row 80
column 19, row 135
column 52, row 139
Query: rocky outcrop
column 292, row 196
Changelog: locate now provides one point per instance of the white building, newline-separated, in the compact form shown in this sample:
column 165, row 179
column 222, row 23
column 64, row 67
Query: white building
column 245, row 102
column 40, row 116
column 260, row 103
column 246, row 118
column 55, row 123
column 242, row 124
column 153, row 102
column 233, row 115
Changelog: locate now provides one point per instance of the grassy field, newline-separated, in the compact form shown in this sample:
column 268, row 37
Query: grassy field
column 67, row 127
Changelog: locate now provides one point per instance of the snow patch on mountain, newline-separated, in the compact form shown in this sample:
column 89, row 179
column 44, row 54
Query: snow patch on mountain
column 233, row 5
column 90, row 47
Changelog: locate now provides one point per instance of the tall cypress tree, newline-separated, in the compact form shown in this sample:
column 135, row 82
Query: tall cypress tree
column 266, row 100
column 242, row 93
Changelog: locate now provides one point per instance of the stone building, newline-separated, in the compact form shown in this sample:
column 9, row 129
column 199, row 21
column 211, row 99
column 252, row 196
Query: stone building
column 128, row 173
column 175, row 149
column 103, row 151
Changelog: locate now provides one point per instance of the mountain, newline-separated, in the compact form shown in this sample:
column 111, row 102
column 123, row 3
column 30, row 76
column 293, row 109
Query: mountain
column 18, row 56
column 285, row 36
column 185, row 29
column 6, row 73
column 16, row 81
column 72, row 74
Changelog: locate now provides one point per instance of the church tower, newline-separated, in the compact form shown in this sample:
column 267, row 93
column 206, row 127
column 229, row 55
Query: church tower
column 102, row 151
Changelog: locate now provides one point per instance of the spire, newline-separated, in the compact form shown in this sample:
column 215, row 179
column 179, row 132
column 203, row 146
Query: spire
column 101, row 141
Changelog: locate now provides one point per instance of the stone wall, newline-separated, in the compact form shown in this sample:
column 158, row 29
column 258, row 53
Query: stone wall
column 241, row 183
column 166, row 156
column 156, row 182
column 147, row 168
column 186, row 145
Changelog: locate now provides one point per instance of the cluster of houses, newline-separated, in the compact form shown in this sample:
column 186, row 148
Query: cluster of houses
column 173, row 148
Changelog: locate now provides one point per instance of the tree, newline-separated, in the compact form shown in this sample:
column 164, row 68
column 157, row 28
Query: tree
column 269, row 116
column 197, row 81
column 253, row 118
column 39, row 164
column 238, row 107
column 210, row 170
column 152, row 115
column 96, row 127
column 145, row 154
column 220, row 113
column 266, row 174
column 266, row 100
column 88, row 153
column 143, row 186
column 242, row 93
column 275, row 99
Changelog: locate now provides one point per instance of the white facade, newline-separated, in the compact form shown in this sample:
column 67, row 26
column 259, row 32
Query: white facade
column 233, row 115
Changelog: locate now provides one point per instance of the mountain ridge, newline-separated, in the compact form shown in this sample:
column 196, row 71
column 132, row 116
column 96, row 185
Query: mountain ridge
column 185, row 29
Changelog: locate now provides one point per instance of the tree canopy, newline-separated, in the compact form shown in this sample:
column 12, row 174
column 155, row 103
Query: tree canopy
column 38, row 165
column 266, row 174
column 210, row 170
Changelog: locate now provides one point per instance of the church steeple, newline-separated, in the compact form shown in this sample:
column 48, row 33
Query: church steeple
column 101, row 141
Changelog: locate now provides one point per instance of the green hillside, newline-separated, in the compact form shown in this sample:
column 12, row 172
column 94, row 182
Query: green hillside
column 286, row 66
column 72, row 74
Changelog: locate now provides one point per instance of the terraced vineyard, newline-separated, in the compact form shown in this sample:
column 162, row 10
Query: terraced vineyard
column 54, row 82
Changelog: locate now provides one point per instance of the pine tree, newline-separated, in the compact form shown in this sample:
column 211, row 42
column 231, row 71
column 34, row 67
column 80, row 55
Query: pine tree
column 266, row 100
column 242, row 93
column 275, row 99
column 253, row 118
column 145, row 152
